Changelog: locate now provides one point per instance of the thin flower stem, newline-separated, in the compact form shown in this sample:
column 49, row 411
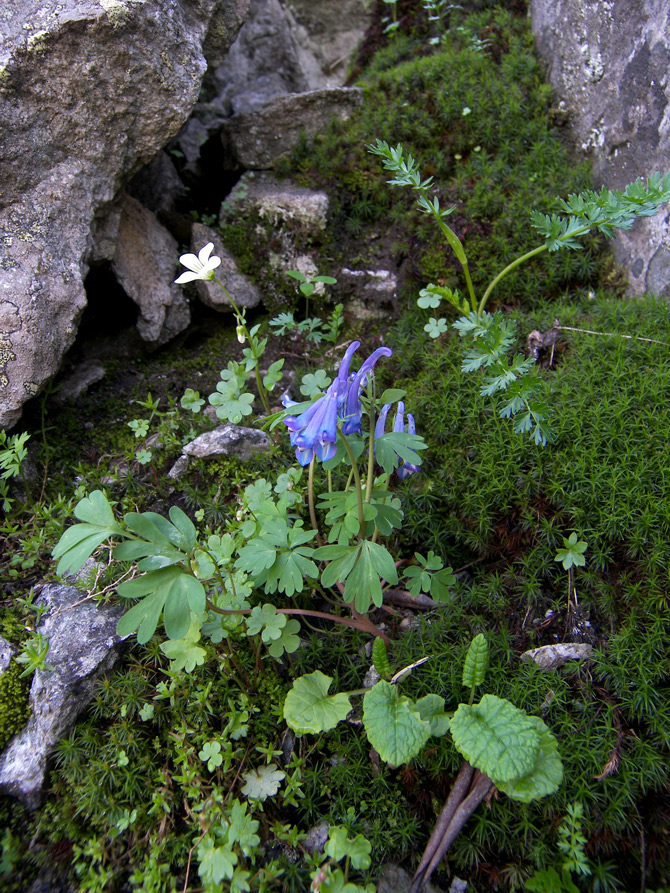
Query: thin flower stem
column 357, row 622
column 241, row 320
column 310, row 501
column 357, row 481
column 371, row 451
column 457, row 247
column 503, row 273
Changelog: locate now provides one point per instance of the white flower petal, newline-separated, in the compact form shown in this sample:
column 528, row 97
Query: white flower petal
column 187, row 277
column 204, row 253
column 191, row 262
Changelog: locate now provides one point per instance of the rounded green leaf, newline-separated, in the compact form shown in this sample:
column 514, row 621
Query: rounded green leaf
column 476, row 662
column 497, row 738
column 394, row 728
column 309, row 708
column 547, row 773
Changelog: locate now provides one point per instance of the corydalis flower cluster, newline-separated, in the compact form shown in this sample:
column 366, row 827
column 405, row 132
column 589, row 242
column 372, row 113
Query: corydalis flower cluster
column 314, row 432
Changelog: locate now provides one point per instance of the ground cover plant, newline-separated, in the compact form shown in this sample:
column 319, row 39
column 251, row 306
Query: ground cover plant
column 207, row 757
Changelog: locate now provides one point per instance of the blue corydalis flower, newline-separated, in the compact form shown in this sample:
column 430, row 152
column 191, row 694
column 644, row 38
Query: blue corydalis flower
column 314, row 431
column 406, row 468
column 353, row 411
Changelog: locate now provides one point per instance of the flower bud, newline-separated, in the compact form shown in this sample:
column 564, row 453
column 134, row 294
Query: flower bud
column 241, row 337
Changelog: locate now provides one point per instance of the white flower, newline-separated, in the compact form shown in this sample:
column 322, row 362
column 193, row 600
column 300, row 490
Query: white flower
column 202, row 266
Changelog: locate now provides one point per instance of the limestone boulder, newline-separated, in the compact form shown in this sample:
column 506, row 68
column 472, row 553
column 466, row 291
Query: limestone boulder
column 281, row 48
column 144, row 262
column 90, row 90
column 255, row 140
column 83, row 645
column 608, row 62
column 229, row 440
column 242, row 289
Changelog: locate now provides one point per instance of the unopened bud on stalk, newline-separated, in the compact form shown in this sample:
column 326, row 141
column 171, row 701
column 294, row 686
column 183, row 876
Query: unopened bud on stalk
column 241, row 337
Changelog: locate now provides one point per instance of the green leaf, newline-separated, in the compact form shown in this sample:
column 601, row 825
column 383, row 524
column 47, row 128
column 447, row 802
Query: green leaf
column 363, row 585
column 192, row 400
column 296, row 274
column 289, row 570
column 439, row 585
column 572, row 553
column 546, row 774
column 94, row 509
column 380, row 658
column 258, row 555
column 211, row 754
column 185, row 653
column 263, row 782
column 169, row 588
column 230, row 408
column 497, row 738
column 341, row 560
column 476, row 662
column 186, row 528
column 548, row 880
column 392, row 448
column 266, row 621
column 142, row 617
column 436, row 327
column 243, row 828
column 314, row 383
column 288, row 641
column 217, row 863
column 78, row 542
column 392, row 395
column 431, row 709
column 393, row 725
column 273, row 375
column 309, row 708
column 339, row 846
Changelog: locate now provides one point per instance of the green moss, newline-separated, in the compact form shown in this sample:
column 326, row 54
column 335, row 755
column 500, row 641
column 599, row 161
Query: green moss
column 14, row 706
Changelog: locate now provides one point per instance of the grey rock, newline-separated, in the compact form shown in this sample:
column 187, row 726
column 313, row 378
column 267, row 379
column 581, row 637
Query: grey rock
column 158, row 186
column 317, row 838
column 179, row 468
column 551, row 657
column 242, row 289
column 89, row 92
column 370, row 286
column 394, row 879
column 609, row 62
column 257, row 139
column 371, row 678
column 281, row 204
column 7, row 652
column 144, row 262
column 83, row 645
column 50, row 881
column 331, row 32
column 79, row 381
column 281, row 48
column 229, row 440
column 458, row 885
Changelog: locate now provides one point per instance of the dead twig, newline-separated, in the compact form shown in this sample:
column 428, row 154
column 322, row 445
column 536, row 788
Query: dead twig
column 468, row 790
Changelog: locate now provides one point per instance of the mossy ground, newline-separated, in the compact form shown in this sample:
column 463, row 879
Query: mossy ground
column 125, row 790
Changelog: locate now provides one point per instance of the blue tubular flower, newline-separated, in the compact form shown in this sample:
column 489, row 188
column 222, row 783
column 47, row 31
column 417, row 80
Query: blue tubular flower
column 406, row 468
column 380, row 427
column 353, row 409
column 314, row 431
